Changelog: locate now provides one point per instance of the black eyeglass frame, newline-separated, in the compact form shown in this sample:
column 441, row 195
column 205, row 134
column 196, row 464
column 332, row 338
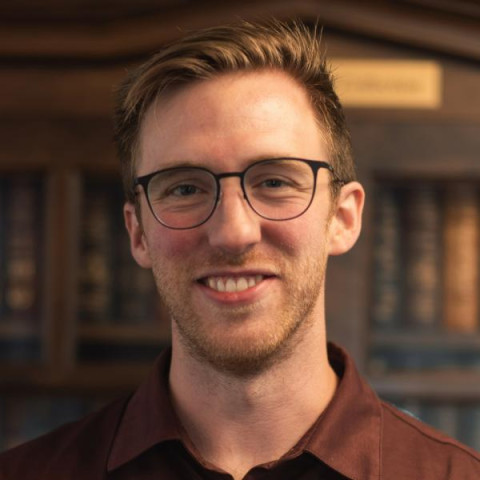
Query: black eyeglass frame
column 315, row 165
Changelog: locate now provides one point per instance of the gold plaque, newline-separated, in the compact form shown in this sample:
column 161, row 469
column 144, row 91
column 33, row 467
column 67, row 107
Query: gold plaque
column 388, row 83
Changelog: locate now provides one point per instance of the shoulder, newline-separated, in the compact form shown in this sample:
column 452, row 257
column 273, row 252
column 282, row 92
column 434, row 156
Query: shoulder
column 413, row 450
column 65, row 453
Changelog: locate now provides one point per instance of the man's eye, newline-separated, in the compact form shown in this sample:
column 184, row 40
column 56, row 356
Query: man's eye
column 274, row 183
column 183, row 190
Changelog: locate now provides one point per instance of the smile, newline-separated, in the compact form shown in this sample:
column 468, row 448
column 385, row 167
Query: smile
column 233, row 284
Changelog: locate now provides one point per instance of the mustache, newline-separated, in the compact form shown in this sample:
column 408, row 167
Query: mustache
column 244, row 259
column 225, row 259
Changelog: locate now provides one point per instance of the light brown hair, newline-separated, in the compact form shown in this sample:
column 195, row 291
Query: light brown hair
column 290, row 47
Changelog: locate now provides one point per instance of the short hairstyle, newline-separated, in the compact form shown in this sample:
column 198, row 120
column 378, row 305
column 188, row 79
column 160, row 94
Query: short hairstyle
column 291, row 47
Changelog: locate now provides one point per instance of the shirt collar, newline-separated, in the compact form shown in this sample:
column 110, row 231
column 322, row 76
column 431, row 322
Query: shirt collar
column 149, row 418
column 346, row 436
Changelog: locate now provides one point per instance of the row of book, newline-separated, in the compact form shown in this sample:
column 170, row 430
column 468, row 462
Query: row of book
column 21, row 224
column 404, row 357
column 113, row 290
column 21, row 243
column 112, row 287
column 457, row 420
column 426, row 256
column 24, row 418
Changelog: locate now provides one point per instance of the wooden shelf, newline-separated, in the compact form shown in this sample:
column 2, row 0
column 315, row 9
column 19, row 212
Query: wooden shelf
column 149, row 334
column 426, row 339
column 143, row 31
column 82, row 379
column 447, row 385
column 12, row 329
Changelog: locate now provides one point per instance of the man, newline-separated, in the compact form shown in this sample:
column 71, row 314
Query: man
column 240, row 184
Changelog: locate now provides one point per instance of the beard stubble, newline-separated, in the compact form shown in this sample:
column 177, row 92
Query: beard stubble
column 241, row 353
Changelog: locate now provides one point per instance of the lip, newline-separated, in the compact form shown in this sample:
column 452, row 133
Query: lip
column 248, row 295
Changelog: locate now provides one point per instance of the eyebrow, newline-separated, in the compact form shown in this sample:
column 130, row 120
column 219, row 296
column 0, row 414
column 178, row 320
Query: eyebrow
column 248, row 162
column 182, row 164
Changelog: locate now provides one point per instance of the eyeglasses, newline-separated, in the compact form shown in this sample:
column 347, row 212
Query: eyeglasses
column 276, row 189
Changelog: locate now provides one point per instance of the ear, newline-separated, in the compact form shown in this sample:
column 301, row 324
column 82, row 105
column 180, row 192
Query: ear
column 138, row 242
column 346, row 221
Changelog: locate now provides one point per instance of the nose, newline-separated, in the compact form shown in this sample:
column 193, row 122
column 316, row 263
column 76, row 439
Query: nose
column 234, row 227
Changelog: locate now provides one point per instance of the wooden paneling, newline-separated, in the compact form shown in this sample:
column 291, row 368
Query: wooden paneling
column 125, row 37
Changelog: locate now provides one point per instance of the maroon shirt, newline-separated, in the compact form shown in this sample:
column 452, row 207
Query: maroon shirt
column 357, row 437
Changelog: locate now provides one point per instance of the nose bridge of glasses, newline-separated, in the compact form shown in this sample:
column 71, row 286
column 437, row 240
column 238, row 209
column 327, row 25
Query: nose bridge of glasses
column 240, row 175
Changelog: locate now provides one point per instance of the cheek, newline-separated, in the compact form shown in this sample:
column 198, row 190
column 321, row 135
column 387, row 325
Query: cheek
column 295, row 237
column 171, row 243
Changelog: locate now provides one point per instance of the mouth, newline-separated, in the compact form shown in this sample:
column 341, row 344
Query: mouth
column 232, row 284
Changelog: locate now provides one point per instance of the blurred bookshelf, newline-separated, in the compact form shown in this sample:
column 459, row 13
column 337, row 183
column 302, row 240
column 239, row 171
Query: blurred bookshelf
column 119, row 315
column 425, row 311
column 22, row 210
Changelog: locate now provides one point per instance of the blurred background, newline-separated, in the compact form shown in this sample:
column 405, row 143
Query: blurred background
column 79, row 321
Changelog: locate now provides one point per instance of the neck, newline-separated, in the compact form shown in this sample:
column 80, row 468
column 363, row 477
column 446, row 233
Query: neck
column 237, row 423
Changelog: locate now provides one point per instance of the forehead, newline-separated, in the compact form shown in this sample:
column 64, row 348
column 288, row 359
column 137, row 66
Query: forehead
column 240, row 117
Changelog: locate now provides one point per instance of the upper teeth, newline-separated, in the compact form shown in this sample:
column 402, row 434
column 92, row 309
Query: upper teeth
column 233, row 284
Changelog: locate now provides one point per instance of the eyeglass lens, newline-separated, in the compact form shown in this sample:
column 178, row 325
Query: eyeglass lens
column 277, row 189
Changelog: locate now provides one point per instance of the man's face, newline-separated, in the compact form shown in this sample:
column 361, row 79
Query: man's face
column 274, row 269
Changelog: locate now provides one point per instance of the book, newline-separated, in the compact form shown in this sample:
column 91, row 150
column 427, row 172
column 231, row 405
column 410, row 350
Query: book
column 423, row 240
column 461, row 258
column 28, row 417
column 115, row 293
column 2, row 248
column 3, row 439
column 469, row 425
column 387, row 263
column 402, row 357
column 22, row 249
column 96, row 260
column 442, row 416
column 114, row 289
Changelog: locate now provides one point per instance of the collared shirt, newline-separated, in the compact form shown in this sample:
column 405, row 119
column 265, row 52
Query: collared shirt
column 357, row 437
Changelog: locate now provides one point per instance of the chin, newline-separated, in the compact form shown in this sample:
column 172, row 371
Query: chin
column 241, row 354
